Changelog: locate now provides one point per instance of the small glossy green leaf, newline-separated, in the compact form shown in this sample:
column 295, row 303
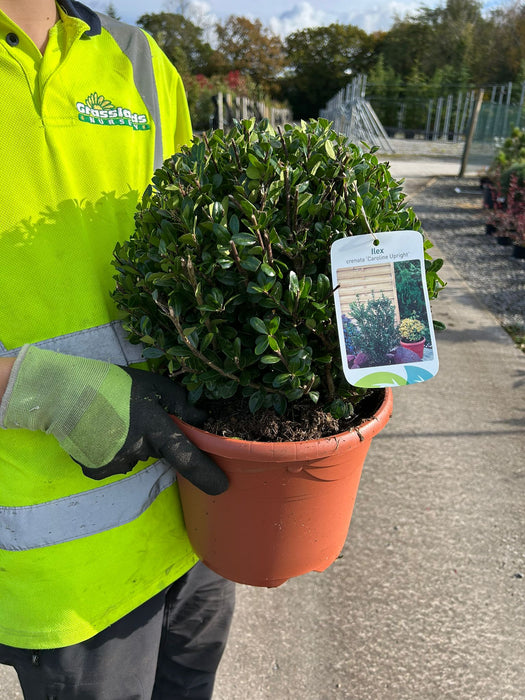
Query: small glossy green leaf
column 234, row 224
column 294, row 394
column 258, row 324
column 243, row 239
column 253, row 173
column 270, row 359
column 280, row 380
column 274, row 324
column 330, row 149
column 152, row 353
column 324, row 286
column 261, row 345
column 269, row 271
column 280, row 404
column 256, row 401
column 293, row 285
column 314, row 396
column 272, row 342
column 207, row 340
column 250, row 263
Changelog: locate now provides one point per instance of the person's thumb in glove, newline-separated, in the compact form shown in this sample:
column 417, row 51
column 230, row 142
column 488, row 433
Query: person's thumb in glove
column 106, row 417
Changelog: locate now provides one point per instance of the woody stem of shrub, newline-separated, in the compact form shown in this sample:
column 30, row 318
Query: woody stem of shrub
column 287, row 192
column 232, row 200
column 190, row 274
column 263, row 239
column 330, row 382
column 237, row 155
column 212, row 157
column 363, row 213
column 199, row 355
column 237, row 260
column 196, row 353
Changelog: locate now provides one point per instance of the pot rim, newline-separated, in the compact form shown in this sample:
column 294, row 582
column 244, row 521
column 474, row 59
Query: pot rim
column 283, row 451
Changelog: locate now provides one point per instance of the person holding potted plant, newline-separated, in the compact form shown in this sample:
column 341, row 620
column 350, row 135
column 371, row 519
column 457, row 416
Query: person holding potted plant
column 100, row 586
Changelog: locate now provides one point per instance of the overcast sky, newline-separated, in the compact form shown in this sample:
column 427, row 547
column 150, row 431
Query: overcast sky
column 283, row 16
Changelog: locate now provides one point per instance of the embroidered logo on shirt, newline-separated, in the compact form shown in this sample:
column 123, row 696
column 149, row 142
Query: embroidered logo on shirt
column 96, row 109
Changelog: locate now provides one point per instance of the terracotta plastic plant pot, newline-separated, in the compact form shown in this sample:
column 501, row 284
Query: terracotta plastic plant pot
column 288, row 508
column 417, row 347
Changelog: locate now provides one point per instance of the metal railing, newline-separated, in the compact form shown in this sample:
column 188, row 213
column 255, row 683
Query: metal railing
column 228, row 109
column 353, row 116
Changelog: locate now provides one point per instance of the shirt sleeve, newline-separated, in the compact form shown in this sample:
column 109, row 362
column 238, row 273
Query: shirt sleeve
column 173, row 104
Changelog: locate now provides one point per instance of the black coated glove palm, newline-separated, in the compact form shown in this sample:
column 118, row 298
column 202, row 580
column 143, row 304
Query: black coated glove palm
column 106, row 417
column 152, row 433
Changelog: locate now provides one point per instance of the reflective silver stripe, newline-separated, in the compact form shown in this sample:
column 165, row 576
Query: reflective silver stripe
column 84, row 514
column 107, row 342
column 134, row 44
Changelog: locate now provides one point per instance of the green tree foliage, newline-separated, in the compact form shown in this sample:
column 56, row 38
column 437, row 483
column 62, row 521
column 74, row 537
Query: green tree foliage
column 180, row 39
column 250, row 48
column 320, row 62
column 384, row 87
column 503, row 52
column 434, row 37
column 454, row 27
column 402, row 46
column 427, row 54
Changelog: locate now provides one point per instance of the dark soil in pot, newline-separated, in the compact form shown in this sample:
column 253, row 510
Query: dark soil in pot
column 302, row 421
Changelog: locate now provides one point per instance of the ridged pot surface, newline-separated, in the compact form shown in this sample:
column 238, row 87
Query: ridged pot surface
column 288, row 508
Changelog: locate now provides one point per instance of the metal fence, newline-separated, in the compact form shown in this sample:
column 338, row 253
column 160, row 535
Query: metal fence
column 228, row 109
column 437, row 118
column 353, row 116
column 455, row 118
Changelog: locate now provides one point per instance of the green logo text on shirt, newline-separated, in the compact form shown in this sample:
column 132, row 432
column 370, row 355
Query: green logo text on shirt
column 97, row 110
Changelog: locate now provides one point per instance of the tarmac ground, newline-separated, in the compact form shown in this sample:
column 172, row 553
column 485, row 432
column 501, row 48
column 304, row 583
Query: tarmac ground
column 427, row 601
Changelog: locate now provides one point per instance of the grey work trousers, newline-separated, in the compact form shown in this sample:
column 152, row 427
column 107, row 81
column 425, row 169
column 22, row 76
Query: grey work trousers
column 168, row 648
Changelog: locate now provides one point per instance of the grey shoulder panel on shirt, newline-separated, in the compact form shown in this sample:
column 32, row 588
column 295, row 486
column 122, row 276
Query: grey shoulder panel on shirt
column 134, row 44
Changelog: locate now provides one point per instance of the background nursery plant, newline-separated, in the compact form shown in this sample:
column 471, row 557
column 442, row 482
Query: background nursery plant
column 226, row 280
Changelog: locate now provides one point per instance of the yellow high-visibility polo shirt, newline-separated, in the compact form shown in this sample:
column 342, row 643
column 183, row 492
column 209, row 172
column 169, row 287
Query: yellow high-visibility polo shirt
column 81, row 135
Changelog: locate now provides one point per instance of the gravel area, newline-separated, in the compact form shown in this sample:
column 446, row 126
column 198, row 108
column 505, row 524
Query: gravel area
column 455, row 222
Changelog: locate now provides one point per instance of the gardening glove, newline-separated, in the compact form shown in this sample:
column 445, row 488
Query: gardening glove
column 105, row 416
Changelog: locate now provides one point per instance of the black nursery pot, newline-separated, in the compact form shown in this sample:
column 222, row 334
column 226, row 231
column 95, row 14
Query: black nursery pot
column 504, row 240
column 488, row 197
column 518, row 251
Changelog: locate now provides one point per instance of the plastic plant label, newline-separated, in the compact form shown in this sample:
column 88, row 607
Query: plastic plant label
column 383, row 311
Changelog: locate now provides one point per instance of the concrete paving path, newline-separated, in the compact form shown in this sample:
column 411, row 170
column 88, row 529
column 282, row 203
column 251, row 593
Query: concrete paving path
column 428, row 600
